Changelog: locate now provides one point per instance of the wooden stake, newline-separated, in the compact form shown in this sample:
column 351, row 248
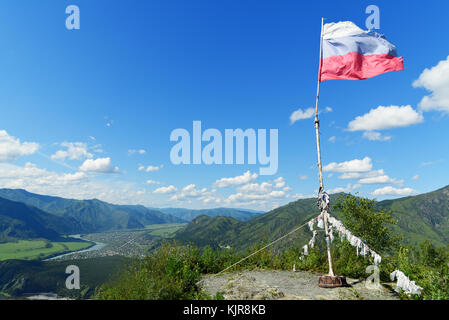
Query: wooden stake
column 320, row 169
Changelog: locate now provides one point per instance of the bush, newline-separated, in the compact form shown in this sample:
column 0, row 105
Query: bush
column 170, row 273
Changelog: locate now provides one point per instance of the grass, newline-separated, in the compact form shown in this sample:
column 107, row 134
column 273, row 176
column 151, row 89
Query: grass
column 37, row 249
column 164, row 230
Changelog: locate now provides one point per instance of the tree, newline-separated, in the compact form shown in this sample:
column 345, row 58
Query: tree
column 359, row 215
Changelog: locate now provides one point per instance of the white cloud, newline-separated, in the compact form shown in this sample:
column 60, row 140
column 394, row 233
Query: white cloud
column 243, row 197
column 300, row 114
column 265, row 194
column 77, row 185
column 165, row 190
column 133, row 151
column 264, row 187
column 301, row 177
column 101, row 165
column 279, row 182
column 371, row 177
column 356, row 165
column 416, row 177
column 74, row 151
column 383, row 118
column 391, row 191
column 361, row 175
column 19, row 176
column 348, row 188
column 191, row 192
column 11, row 148
column 150, row 168
column 435, row 80
column 152, row 182
column 234, row 181
column 375, row 136
column 430, row 163
column 383, row 179
column 332, row 139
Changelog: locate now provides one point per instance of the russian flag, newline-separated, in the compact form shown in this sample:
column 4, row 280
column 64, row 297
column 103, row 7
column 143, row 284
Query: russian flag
column 351, row 53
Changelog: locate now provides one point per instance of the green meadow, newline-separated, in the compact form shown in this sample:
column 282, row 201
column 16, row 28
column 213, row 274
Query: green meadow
column 37, row 249
column 164, row 230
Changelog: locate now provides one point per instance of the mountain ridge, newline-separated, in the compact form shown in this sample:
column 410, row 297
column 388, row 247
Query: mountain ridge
column 421, row 217
column 87, row 216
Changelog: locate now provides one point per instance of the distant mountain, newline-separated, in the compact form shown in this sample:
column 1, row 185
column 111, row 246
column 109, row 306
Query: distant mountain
column 421, row 217
column 90, row 215
column 226, row 231
column 20, row 221
column 190, row 214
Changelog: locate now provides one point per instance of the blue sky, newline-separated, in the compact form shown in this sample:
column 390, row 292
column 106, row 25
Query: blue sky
column 78, row 105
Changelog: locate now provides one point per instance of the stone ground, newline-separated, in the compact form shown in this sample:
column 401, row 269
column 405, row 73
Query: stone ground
column 288, row 285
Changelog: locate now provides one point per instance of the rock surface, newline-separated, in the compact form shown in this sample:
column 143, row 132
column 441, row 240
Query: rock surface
column 288, row 285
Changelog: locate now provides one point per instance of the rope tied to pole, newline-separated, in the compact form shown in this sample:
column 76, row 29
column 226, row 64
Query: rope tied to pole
column 268, row 245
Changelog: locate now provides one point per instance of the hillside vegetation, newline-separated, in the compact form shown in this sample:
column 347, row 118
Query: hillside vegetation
column 18, row 220
column 20, row 277
column 173, row 271
column 422, row 217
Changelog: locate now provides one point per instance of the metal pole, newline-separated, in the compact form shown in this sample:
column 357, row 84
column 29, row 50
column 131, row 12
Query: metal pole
column 320, row 169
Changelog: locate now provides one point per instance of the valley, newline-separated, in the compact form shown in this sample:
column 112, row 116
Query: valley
column 35, row 246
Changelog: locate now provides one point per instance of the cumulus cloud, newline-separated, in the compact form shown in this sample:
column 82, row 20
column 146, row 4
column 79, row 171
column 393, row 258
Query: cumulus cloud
column 150, row 168
column 38, row 176
column 74, row 185
column 100, row 165
column 383, row 118
column 11, row 148
column 301, row 114
column 391, row 191
column 165, row 190
column 371, row 177
column 416, row 177
column 74, row 151
column 382, row 179
column 238, row 180
column 435, row 80
column 264, row 187
column 356, row 165
column 265, row 194
column 375, row 136
column 191, row 192
column 244, row 197
column 349, row 187
column 279, row 182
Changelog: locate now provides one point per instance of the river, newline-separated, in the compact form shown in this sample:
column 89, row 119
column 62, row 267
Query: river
column 96, row 246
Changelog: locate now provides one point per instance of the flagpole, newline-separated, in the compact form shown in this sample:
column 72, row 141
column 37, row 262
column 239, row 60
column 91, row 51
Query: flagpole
column 320, row 168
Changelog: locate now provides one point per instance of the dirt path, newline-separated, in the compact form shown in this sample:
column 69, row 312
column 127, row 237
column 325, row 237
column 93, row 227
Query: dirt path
column 249, row 285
